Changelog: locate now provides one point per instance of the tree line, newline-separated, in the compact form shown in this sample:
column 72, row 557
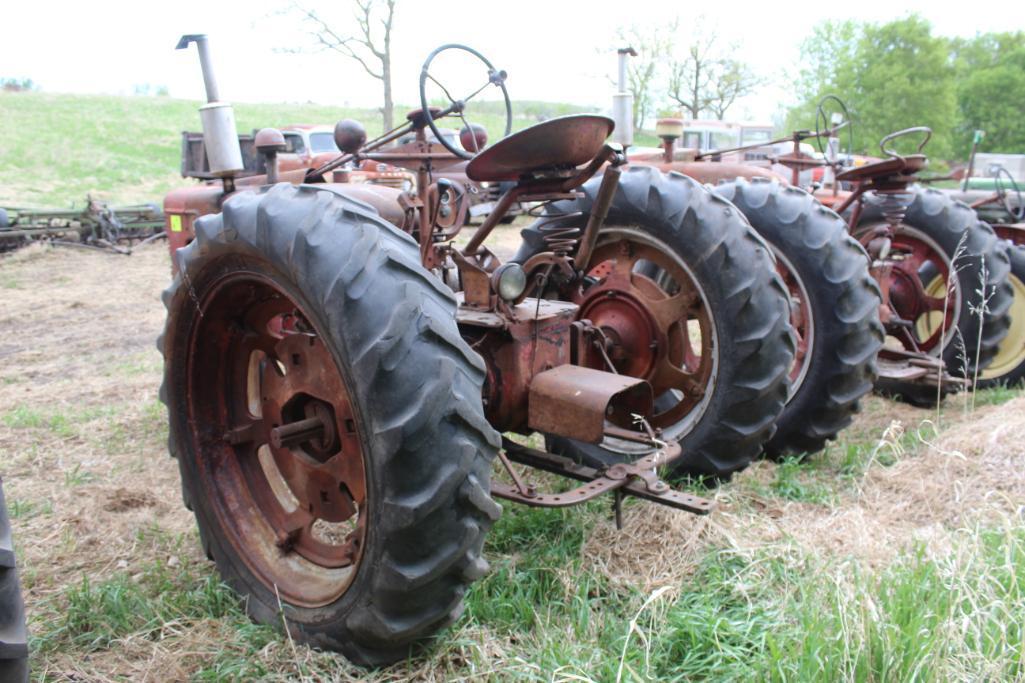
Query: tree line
column 898, row 74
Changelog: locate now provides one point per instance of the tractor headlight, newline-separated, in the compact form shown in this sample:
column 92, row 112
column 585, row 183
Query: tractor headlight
column 509, row 281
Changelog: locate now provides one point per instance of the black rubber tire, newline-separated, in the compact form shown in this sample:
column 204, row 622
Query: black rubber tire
column 1011, row 374
column 5, row 221
column 13, row 634
column 748, row 301
column 416, row 384
column 832, row 268
column 946, row 221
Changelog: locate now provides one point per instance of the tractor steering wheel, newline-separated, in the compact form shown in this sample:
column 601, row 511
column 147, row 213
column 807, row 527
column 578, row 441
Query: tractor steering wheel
column 495, row 78
column 823, row 123
column 925, row 131
column 1016, row 213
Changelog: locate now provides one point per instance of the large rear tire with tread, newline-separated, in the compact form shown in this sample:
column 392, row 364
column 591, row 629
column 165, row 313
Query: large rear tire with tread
column 13, row 635
column 357, row 287
column 1008, row 365
column 835, row 300
column 743, row 296
column 951, row 231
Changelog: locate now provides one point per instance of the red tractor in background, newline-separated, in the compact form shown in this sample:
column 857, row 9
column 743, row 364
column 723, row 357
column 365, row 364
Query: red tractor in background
column 339, row 374
column 941, row 272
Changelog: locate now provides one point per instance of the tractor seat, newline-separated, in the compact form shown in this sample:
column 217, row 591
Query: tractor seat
column 907, row 165
column 558, row 144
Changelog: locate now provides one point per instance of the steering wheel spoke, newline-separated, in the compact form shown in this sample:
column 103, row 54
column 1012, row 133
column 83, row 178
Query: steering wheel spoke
column 458, row 107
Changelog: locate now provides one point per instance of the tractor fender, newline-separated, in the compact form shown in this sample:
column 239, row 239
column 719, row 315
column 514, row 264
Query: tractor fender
column 715, row 172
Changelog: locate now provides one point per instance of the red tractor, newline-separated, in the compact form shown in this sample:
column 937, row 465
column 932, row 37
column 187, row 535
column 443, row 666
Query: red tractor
column 941, row 272
column 339, row 375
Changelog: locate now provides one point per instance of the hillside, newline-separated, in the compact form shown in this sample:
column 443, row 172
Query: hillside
column 58, row 147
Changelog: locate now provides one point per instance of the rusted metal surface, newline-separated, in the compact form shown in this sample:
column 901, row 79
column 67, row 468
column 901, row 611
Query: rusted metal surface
column 1013, row 232
column 800, row 317
column 599, row 212
column 639, row 479
column 715, row 172
column 658, row 332
column 532, row 337
column 269, row 142
column 562, row 143
column 575, row 402
column 289, row 477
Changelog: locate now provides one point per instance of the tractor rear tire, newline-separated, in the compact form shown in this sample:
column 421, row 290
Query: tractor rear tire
column 744, row 296
column 1008, row 365
column 956, row 231
column 838, row 309
column 13, row 636
column 351, row 282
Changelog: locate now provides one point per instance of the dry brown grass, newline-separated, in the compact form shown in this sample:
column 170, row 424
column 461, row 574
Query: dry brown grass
column 933, row 486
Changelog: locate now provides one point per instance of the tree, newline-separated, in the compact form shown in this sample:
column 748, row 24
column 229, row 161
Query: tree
column 691, row 76
column 990, row 73
column 892, row 76
column 369, row 45
column 734, row 80
column 704, row 78
column 652, row 46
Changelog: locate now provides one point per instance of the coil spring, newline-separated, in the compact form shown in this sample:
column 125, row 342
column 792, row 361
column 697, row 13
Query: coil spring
column 559, row 237
column 894, row 206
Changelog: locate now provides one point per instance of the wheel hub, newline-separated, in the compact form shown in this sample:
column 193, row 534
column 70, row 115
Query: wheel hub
column 655, row 324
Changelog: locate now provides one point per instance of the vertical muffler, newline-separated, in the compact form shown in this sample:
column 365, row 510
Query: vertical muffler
column 220, row 135
column 623, row 103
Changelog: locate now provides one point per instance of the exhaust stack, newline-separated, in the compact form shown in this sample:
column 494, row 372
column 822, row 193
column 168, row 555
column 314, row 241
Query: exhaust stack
column 623, row 104
column 220, row 135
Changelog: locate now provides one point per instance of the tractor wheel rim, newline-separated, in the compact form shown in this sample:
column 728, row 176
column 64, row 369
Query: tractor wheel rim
column 933, row 310
column 801, row 319
column 1011, row 351
column 639, row 280
column 280, row 451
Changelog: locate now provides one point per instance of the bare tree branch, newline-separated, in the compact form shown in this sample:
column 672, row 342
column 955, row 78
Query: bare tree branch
column 705, row 79
column 363, row 46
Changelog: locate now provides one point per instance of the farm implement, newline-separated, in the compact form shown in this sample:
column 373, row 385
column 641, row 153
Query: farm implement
column 95, row 226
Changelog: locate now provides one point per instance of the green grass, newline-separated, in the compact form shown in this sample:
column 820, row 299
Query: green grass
column 93, row 614
column 58, row 148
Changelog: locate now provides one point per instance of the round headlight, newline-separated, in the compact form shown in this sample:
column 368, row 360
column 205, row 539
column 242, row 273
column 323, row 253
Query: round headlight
column 509, row 281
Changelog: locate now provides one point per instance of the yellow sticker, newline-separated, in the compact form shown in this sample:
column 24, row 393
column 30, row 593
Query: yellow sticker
column 176, row 223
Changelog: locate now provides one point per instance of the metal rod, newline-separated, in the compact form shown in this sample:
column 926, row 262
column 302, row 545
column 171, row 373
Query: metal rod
column 492, row 220
column 599, row 211
column 296, row 432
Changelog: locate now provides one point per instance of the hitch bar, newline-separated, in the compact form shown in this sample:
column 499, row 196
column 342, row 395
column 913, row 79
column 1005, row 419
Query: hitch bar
column 638, row 479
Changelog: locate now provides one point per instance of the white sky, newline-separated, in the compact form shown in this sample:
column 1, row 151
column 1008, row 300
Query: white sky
column 553, row 50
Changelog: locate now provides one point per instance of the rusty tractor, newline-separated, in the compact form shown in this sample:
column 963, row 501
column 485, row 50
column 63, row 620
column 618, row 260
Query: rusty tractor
column 1004, row 209
column 833, row 297
column 941, row 272
column 339, row 374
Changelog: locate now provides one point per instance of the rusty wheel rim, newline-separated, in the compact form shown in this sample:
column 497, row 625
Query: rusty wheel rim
column 653, row 310
column 924, row 303
column 277, row 440
column 801, row 319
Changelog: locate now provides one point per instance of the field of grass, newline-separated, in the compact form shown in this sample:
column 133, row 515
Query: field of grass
column 898, row 554
column 58, row 148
